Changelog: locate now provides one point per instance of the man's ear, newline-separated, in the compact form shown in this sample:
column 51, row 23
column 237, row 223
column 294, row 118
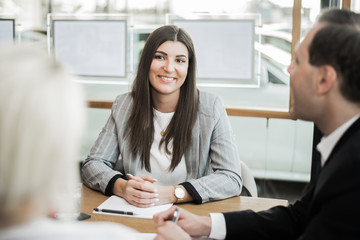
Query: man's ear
column 327, row 79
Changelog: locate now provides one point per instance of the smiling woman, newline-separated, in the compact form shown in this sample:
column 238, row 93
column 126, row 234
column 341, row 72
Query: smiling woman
column 167, row 74
column 165, row 142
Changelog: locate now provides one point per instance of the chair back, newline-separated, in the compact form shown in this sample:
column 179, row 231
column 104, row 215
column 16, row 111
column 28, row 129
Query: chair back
column 249, row 184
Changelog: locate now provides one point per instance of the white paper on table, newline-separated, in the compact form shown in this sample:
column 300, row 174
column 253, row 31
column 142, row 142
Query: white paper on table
column 120, row 204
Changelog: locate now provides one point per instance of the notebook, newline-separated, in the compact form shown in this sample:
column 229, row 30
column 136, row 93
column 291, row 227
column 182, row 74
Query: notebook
column 115, row 203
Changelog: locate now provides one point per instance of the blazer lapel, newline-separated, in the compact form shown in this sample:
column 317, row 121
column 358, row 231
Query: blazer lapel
column 330, row 166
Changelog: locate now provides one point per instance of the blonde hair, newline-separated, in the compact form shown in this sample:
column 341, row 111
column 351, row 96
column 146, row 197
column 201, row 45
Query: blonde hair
column 42, row 116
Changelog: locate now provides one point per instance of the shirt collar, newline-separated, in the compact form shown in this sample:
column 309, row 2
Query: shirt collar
column 328, row 143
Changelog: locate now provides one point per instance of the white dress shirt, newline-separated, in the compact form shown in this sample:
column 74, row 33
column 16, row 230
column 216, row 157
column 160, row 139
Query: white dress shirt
column 218, row 227
column 326, row 145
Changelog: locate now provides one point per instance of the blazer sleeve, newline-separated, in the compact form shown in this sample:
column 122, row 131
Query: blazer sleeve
column 218, row 151
column 279, row 222
column 97, row 171
column 330, row 216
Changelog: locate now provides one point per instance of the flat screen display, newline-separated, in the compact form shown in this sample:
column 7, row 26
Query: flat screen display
column 92, row 47
column 7, row 30
column 224, row 48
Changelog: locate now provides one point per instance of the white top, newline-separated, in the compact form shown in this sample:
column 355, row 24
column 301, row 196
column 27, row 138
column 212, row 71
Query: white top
column 326, row 145
column 46, row 228
column 159, row 160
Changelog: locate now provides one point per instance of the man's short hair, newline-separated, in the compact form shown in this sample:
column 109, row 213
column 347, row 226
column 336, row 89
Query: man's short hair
column 340, row 16
column 339, row 46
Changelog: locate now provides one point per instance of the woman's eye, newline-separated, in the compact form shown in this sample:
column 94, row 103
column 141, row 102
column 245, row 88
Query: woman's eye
column 159, row 57
column 180, row 60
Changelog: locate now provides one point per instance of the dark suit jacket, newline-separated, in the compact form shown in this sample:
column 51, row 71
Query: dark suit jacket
column 330, row 209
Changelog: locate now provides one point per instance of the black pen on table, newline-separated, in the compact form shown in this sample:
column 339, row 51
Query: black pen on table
column 176, row 215
column 113, row 211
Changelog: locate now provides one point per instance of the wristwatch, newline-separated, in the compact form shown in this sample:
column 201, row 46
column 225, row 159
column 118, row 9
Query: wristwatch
column 179, row 193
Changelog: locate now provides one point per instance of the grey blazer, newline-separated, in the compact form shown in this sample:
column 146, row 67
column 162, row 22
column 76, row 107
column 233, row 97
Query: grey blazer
column 212, row 161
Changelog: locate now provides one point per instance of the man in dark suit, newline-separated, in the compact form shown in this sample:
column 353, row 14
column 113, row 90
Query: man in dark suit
column 325, row 82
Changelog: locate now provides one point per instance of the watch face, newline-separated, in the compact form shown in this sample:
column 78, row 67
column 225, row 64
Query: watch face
column 179, row 193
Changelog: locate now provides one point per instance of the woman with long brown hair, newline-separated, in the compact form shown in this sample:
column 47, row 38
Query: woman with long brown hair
column 165, row 141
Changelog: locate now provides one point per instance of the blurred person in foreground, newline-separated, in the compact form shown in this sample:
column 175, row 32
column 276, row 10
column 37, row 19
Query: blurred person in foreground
column 325, row 81
column 42, row 116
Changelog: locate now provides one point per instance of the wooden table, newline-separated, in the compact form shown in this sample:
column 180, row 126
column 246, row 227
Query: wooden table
column 90, row 199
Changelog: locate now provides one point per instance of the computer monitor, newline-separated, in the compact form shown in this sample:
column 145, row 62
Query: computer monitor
column 7, row 30
column 224, row 47
column 92, row 45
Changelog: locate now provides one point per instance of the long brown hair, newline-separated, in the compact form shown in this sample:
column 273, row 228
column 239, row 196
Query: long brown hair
column 140, row 126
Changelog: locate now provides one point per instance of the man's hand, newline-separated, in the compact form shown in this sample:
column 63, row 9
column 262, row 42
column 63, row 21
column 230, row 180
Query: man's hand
column 170, row 231
column 196, row 226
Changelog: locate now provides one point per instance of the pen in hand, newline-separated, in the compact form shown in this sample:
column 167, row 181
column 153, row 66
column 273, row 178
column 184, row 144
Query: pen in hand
column 176, row 215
